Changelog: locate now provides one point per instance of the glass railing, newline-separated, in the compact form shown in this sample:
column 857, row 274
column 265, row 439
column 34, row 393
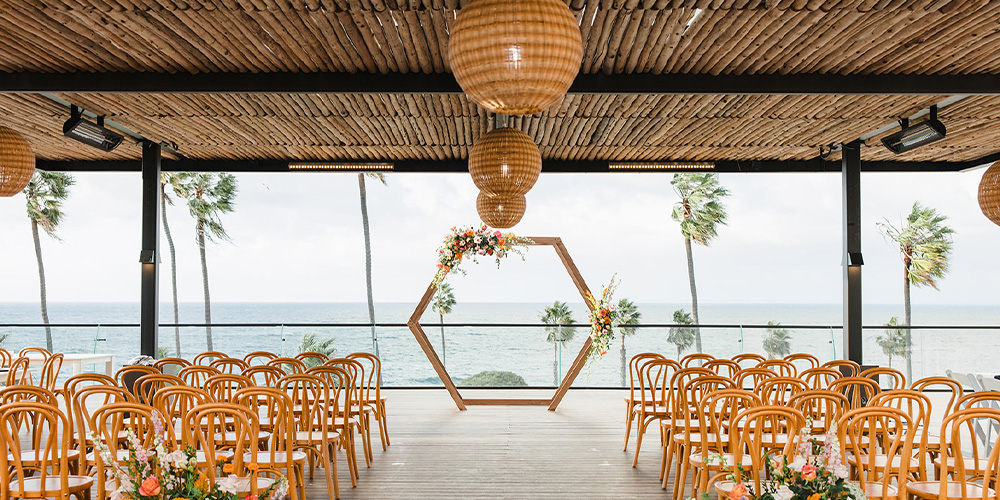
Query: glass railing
column 524, row 351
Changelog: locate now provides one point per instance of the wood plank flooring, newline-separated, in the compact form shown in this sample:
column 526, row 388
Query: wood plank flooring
column 504, row 452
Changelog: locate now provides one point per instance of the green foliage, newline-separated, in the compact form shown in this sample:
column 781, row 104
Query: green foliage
column 556, row 314
column 444, row 299
column 628, row 314
column 494, row 379
column 311, row 343
column 162, row 352
column 700, row 210
column 209, row 196
column 924, row 243
column 776, row 341
column 682, row 336
column 45, row 193
column 3, row 338
column 893, row 343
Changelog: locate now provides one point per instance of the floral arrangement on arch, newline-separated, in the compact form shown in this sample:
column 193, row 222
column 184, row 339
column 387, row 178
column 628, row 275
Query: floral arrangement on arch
column 816, row 472
column 159, row 474
column 604, row 318
column 475, row 242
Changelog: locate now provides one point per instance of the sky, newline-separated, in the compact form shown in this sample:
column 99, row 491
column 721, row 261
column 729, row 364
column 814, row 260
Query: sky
column 297, row 237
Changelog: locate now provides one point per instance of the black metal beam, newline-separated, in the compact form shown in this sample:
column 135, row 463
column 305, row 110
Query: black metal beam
column 150, row 255
column 452, row 166
column 438, row 83
column 851, row 172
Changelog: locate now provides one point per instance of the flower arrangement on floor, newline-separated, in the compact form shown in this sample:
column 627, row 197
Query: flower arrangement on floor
column 159, row 474
column 604, row 318
column 815, row 473
column 475, row 242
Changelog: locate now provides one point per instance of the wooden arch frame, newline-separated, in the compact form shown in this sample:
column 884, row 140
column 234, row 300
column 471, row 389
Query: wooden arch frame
column 571, row 374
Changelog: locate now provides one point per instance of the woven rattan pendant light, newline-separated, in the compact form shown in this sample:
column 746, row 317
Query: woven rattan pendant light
column 515, row 57
column 501, row 212
column 989, row 193
column 505, row 162
column 17, row 162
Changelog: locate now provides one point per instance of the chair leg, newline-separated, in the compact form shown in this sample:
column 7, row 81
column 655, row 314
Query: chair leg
column 381, row 427
column 352, row 457
column 668, row 459
column 629, row 416
column 682, row 463
column 332, row 484
column 367, row 436
column 385, row 422
column 641, row 429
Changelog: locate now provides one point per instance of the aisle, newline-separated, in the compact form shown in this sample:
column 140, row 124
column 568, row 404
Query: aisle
column 507, row 452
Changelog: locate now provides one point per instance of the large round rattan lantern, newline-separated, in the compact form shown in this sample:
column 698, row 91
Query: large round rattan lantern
column 515, row 57
column 501, row 212
column 17, row 162
column 989, row 193
column 505, row 162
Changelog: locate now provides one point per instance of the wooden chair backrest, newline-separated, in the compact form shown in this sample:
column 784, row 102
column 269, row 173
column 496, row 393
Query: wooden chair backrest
column 357, row 374
column 39, row 350
column 288, row 365
column 857, row 389
column 748, row 359
column 340, row 387
column 846, row 367
column 50, row 371
column 675, row 395
column 130, row 371
column 111, row 421
column 263, row 375
column 780, row 367
column 311, row 396
column 215, row 427
column 723, row 367
column 280, row 420
column 755, row 375
column 171, row 366
column 15, row 393
column 779, row 390
column 223, row 387
column 311, row 359
column 696, row 359
column 809, row 359
column 823, row 406
column 147, row 385
column 959, row 439
column 820, row 378
column 262, row 356
column 635, row 381
column 694, row 392
column 97, row 395
column 372, row 382
column 74, row 383
column 51, row 438
column 207, row 357
column 5, row 358
column 18, row 372
column 231, row 366
column 174, row 402
column 715, row 416
column 752, row 435
column 953, row 386
column 196, row 375
column 918, row 407
column 653, row 376
column 870, row 436
column 896, row 377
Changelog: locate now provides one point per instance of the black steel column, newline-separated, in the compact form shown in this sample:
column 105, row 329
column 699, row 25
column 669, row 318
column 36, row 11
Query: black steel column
column 149, row 319
column 851, row 171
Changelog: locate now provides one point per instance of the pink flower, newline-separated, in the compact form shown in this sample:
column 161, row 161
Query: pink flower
column 809, row 472
column 497, row 234
column 150, row 487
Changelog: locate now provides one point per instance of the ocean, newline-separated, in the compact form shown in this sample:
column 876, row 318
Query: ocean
column 524, row 351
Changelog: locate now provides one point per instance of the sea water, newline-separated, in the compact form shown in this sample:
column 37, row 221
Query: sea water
column 524, row 351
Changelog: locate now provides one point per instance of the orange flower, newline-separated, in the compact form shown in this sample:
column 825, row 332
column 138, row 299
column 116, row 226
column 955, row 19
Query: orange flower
column 739, row 491
column 228, row 468
column 202, row 482
column 253, row 467
column 221, row 459
column 458, row 256
column 150, row 487
column 809, row 472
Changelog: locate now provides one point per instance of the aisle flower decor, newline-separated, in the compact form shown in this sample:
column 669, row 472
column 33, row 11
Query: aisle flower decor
column 816, row 472
column 475, row 242
column 604, row 318
column 158, row 474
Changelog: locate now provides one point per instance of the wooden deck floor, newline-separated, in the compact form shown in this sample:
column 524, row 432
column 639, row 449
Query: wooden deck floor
column 504, row 452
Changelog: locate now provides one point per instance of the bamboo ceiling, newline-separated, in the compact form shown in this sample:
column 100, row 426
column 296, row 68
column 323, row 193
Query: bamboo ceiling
column 396, row 36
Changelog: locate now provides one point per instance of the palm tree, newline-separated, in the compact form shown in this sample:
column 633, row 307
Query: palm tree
column 169, row 178
column 629, row 315
column 209, row 196
column 368, row 246
column 893, row 343
column 558, row 314
column 776, row 341
column 924, row 244
column 312, row 344
column 699, row 212
column 681, row 336
column 44, row 194
column 444, row 300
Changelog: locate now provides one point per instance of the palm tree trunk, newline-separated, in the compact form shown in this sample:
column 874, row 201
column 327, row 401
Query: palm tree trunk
column 694, row 294
column 622, row 358
column 555, row 363
column 444, row 354
column 204, row 282
column 173, row 271
column 906, row 319
column 368, row 259
column 41, row 285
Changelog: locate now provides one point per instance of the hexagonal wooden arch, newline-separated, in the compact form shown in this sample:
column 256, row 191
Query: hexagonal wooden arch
column 571, row 374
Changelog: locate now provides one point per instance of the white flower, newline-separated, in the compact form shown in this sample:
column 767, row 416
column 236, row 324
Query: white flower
column 797, row 464
column 783, row 493
column 840, row 471
column 228, row 485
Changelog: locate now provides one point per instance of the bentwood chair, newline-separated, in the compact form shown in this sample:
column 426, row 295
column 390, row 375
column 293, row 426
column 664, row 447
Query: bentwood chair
column 171, row 366
column 85, row 400
column 715, row 414
column 779, row 390
column 50, row 372
column 918, row 406
column 127, row 376
column 34, row 350
column 147, row 385
column 846, row 367
column 639, row 395
column 693, row 438
column 288, row 365
column 676, row 415
column 857, row 389
column 356, row 419
column 45, row 470
column 896, row 378
column 263, row 376
column 174, row 402
column 974, row 476
column 223, row 387
column 755, row 376
column 70, row 388
column 372, row 392
column 116, row 419
column 807, row 359
column 696, row 359
column 5, row 358
column 820, row 378
column 274, row 409
column 723, row 367
column 938, row 412
column 230, row 366
column 230, row 428
column 823, row 407
column 311, row 359
column 780, row 367
column 18, row 372
column 360, row 414
column 196, row 375
column 259, row 358
column 654, row 396
column 748, row 359
column 751, row 438
column 871, row 441
column 311, row 400
column 207, row 357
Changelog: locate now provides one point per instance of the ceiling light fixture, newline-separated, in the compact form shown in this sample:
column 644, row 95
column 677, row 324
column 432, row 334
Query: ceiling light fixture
column 339, row 166
column 665, row 166
column 89, row 133
column 912, row 137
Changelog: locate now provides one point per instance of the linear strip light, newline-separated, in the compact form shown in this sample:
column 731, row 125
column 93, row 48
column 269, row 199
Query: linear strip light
column 665, row 166
column 339, row 166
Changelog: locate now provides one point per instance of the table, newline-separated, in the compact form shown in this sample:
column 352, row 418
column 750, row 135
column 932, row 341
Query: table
column 77, row 361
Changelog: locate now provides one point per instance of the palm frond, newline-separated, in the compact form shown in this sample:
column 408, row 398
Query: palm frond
column 924, row 241
column 44, row 195
column 700, row 210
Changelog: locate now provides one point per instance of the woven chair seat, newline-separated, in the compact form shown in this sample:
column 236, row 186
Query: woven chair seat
column 52, row 486
column 28, row 457
column 280, row 457
column 316, row 436
column 874, row 490
column 727, row 458
column 953, row 489
column 969, row 462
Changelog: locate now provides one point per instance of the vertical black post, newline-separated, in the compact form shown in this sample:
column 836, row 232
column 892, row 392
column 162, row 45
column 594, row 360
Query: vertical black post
column 851, row 171
column 149, row 319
